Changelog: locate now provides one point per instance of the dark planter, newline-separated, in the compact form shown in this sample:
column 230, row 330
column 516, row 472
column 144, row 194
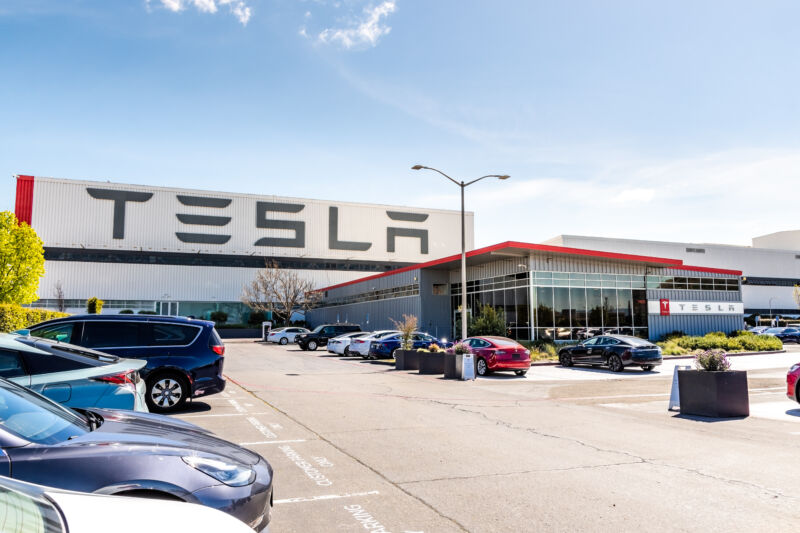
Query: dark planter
column 451, row 370
column 431, row 363
column 713, row 394
column 406, row 360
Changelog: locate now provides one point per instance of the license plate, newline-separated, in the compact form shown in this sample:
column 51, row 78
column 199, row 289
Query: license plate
column 515, row 356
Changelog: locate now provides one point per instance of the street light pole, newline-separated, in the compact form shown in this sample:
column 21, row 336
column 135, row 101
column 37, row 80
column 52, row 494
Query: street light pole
column 463, row 186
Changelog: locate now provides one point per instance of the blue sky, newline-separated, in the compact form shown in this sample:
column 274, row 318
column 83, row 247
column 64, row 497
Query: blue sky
column 657, row 120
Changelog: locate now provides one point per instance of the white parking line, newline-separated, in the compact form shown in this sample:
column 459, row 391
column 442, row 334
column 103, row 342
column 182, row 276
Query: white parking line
column 226, row 414
column 235, row 404
column 262, row 428
column 270, row 442
column 327, row 497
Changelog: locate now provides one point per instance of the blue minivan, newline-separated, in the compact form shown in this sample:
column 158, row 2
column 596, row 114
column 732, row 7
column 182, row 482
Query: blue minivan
column 184, row 356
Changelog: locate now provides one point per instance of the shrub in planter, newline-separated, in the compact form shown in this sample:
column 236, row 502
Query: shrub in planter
column 94, row 305
column 406, row 328
column 713, row 389
column 451, row 360
column 126, row 312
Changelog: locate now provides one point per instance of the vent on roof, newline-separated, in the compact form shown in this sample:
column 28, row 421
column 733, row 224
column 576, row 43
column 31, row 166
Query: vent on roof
column 696, row 250
column 797, row 256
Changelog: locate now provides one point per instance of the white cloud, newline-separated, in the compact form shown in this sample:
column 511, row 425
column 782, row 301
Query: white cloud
column 238, row 8
column 364, row 32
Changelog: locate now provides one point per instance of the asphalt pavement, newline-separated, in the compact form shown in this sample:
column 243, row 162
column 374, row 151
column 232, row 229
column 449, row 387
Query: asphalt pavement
column 359, row 446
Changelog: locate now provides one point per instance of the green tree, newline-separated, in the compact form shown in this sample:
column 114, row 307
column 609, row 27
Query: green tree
column 21, row 260
column 488, row 322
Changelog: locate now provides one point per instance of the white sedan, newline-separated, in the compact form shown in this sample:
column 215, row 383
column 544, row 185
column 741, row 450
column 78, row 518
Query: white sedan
column 29, row 507
column 285, row 335
column 341, row 344
column 361, row 346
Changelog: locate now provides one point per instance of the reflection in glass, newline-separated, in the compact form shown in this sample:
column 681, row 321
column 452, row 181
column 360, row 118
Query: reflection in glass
column 610, row 309
column 625, row 307
column 594, row 304
column 561, row 307
column 544, row 307
column 578, row 303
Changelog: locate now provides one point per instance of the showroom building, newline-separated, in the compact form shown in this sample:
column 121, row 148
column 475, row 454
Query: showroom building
column 545, row 292
column 770, row 267
column 190, row 252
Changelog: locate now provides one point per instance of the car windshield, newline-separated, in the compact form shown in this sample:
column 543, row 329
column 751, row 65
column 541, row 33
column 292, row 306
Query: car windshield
column 37, row 419
column 635, row 341
column 278, row 330
column 26, row 511
column 773, row 331
column 317, row 329
column 502, row 341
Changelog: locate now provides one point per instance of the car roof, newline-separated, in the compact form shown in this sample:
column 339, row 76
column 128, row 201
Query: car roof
column 130, row 318
column 11, row 341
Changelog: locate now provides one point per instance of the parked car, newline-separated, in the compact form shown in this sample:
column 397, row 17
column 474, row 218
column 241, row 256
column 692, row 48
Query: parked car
column 614, row 351
column 320, row 335
column 184, row 356
column 772, row 331
column 361, row 346
column 792, row 383
column 498, row 353
column 26, row 507
column 341, row 345
column 384, row 347
column 285, row 335
column 128, row 453
column 757, row 330
column 787, row 335
column 71, row 375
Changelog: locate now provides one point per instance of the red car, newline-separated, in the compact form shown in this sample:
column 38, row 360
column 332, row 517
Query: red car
column 499, row 353
column 791, row 383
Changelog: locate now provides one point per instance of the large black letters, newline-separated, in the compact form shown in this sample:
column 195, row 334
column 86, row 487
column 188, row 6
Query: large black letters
column 299, row 227
column 119, row 198
column 333, row 234
column 393, row 233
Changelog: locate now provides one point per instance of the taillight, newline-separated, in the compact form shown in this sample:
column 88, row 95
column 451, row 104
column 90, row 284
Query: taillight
column 219, row 350
column 123, row 378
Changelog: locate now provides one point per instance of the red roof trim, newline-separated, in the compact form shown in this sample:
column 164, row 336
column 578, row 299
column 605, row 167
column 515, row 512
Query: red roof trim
column 522, row 245
column 710, row 270
column 23, row 208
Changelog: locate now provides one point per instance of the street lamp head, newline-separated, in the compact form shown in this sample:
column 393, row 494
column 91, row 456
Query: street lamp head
column 417, row 167
column 504, row 177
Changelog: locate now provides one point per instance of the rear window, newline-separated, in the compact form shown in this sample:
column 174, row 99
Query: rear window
column 505, row 342
column 172, row 334
column 45, row 364
column 102, row 334
column 634, row 341
column 10, row 364
column 57, row 332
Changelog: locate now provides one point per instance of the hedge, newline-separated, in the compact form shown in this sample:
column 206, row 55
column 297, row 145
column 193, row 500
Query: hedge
column 14, row 317
column 739, row 341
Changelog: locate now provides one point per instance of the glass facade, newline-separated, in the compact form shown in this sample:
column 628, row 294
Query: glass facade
column 576, row 305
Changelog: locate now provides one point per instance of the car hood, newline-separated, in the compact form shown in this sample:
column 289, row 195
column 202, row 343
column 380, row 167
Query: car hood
column 87, row 513
column 162, row 435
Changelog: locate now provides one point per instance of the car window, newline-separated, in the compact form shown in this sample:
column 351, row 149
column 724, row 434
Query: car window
column 56, row 332
column 102, row 334
column 592, row 341
column 171, row 334
column 26, row 511
column 10, row 364
column 505, row 342
column 610, row 341
column 37, row 419
column 39, row 363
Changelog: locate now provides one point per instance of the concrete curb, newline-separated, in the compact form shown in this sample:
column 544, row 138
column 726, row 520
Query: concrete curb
column 675, row 357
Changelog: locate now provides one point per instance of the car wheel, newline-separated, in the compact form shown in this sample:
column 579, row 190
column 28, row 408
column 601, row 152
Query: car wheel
column 393, row 352
column 284, row 341
column 565, row 359
column 166, row 391
column 647, row 368
column 615, row 363
column 347, row 351
column 312, row 345
column 520, row 372
column 481, row 367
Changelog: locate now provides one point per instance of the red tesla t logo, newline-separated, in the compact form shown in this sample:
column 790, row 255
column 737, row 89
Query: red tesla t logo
column 664, row 306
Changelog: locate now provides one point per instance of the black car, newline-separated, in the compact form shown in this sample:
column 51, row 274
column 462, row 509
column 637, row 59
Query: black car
column 319, row 335
column 128, row 453
column 184, row 356
column 785, row 334
column 614, row 351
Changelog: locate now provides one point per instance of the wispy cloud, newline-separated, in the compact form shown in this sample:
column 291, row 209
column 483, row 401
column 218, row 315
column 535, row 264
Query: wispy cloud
column 362, row 32
column 238, row 8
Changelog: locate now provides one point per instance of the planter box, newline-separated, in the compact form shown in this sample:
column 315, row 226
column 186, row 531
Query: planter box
column 406, row 360
column 713, row 394
column 431, row 363
column 452, row 366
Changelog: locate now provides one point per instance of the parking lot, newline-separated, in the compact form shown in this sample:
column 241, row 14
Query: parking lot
column 357, row 446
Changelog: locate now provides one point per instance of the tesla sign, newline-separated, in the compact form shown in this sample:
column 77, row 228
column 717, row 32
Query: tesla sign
column 666, row 307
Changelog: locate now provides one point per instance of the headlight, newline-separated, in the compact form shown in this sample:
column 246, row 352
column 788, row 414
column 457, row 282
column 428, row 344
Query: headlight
column 230, row 474
column 660, row 351
column 794, row 367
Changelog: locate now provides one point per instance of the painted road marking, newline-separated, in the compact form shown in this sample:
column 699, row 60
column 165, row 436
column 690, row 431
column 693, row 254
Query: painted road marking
column 226, row 414
column 270, row 442
column 366, row 520
column 235, row 404
column 327, row 497
column 262, row 428
column 309, row 469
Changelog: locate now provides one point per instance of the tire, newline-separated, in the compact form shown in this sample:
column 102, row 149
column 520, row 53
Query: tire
column 393, row 352
column 565, row 359
column 647, row 368
column 615, row 363
column 166, row 392
column 312, row 345
column 284, row 341
column 347, row 351
column 520, row 372
column 481, row 368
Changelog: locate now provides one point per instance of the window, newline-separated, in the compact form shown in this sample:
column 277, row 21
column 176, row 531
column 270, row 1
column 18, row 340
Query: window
column 593, row 341
column 172, row 334
column 56, row 332
column 108, row 334
column 10, row 364
column 45, row 364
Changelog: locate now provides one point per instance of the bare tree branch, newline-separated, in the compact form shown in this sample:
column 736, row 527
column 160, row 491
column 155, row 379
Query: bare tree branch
column 280, row 292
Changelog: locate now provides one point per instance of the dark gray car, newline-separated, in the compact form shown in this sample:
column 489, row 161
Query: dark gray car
column 130, row 453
